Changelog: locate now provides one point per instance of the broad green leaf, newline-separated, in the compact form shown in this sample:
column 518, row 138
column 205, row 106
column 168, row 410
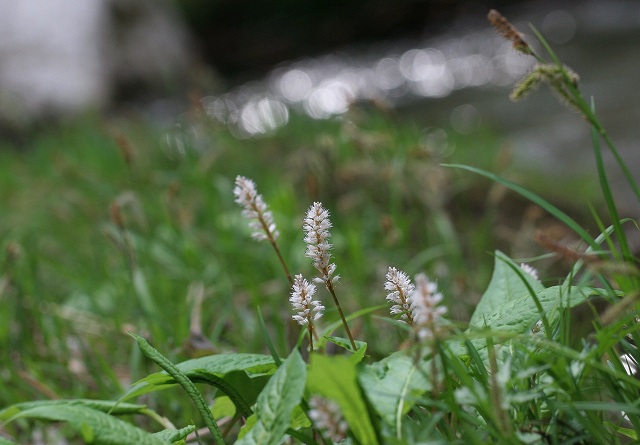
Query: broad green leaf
column 4, row 441
column 113, row 408
column 95, row 426
column 393, row 384
column 346, row 344
column 240, row 376
column 223, row 407
column 506, row 285
column 335, row 378
column 276, row 403
column 172, row 436
column 220, row 364
column 521, row 314
column 300, row 419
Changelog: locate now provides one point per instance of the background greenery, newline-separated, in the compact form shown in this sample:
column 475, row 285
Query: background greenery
column 117, row 225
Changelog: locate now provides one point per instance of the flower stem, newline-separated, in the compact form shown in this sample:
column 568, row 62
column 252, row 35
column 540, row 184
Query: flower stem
column 332, row 291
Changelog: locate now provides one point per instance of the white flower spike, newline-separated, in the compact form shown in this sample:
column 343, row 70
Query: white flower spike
column 307, row 309
column 425, row 307
column 255, row 210
column 316, row 227
column 400, row 290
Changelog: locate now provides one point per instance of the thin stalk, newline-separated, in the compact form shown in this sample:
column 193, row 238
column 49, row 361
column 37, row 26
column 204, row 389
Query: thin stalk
column 273, row 242
column 496, row 394
column 332, row 291
column 310, row 327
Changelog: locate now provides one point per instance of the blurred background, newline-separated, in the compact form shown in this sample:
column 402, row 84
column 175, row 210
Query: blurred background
column 251, row 64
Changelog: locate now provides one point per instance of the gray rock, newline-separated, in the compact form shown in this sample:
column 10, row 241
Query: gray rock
column 60, row 57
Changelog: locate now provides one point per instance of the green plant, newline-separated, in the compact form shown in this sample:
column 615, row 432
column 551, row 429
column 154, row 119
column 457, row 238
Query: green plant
column 514, row 374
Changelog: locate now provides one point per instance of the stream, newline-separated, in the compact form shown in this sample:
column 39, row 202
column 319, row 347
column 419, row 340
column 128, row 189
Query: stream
column 465, row 76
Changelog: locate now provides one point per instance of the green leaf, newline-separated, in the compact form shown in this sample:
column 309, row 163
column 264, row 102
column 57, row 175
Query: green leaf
column 346, row 344
column 506, row 285
column 276, row 403
column 239, row 376
column 223, row 407
column 335, row 378
column 186, row 384
column 393, row 384
column 4, row 441
column 172, row 436
column 632, row 434
column 521, row 314
column 101, row 428
column 113, row 408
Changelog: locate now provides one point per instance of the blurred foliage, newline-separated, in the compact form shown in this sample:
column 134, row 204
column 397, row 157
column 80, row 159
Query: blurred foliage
column 116, row 225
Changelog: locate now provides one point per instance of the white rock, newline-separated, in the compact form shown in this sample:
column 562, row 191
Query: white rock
column 63, row 56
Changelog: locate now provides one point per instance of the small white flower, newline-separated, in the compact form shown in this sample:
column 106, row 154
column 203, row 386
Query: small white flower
column 530, row 270
column 327, row 417
column 316, row 227
column 255, row 210
column 424, row 303
column 307, row 309
column 400, row 290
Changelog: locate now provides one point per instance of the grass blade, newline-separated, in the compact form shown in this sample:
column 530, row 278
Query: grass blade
column 566, row 219
column 183, row 380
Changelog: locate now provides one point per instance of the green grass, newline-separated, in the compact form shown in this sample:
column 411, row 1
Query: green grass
column 72, row 275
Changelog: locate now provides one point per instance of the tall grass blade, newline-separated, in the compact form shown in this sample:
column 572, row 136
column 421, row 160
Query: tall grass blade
column 589, row 113
column 566, row 219
column 171, row 369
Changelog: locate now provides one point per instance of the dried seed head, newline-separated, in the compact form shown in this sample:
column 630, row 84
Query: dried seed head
column 509, row 32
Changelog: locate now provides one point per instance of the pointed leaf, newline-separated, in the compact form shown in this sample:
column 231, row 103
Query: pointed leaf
column 276, row 403
column 335, row 378
column 393, row 384
column 172, row 436
column 521, row 314
column 239, row 376
column 505, row 285
column 346, row 344
column 113, row 408
column 93, row 425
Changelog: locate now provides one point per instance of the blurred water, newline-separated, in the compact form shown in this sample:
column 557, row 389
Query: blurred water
column 463, row 79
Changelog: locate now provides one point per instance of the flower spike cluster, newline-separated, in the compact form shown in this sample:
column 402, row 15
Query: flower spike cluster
column 530, row 270
column 418, row 305
column 316, row 227
column 255, row 210
column 327, row 417
column 425, row 307
column 307, row 309
column 400, row 290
